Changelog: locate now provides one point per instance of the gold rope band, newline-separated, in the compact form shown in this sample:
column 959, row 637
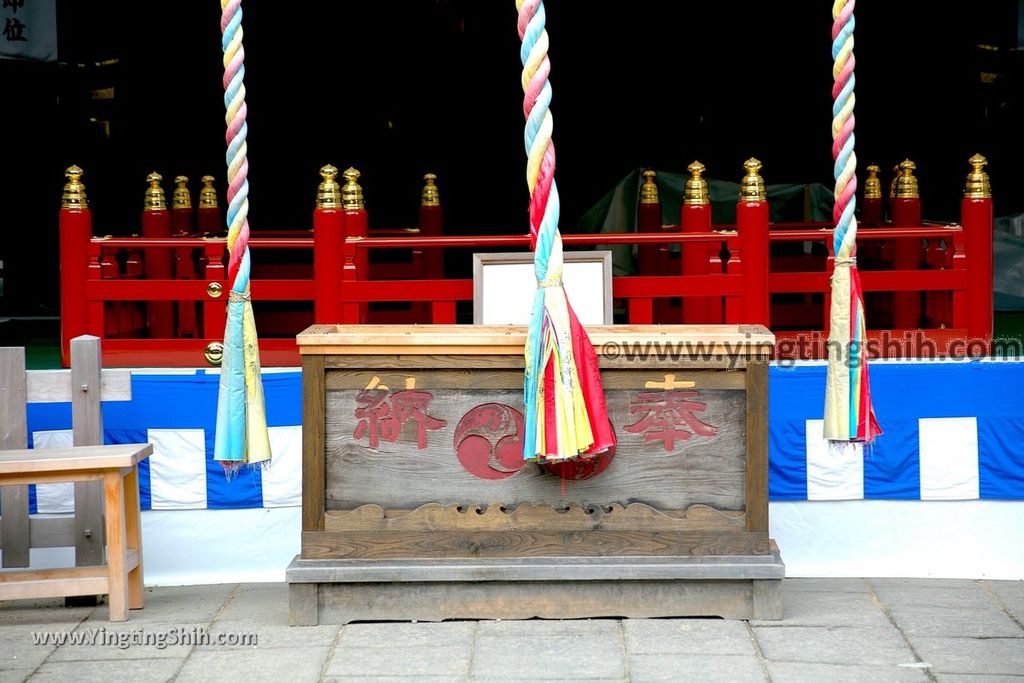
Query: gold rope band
column 848, row 262
column 549, row 282
column 238, row 297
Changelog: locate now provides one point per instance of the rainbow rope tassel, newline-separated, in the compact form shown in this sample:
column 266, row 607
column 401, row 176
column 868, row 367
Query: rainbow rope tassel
column 241, row 417
column 849, row 414
column 565, row 410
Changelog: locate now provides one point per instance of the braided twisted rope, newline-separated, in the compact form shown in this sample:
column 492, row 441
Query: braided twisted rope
column 843, row 139
column 241, row 433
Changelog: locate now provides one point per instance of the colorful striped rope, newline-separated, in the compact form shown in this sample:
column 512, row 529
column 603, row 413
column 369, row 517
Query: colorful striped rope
column 849, row 414
column 241, row 435
column 565, row 410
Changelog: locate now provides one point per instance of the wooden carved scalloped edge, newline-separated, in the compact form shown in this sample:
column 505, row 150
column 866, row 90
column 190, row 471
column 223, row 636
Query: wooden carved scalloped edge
column 533, row 517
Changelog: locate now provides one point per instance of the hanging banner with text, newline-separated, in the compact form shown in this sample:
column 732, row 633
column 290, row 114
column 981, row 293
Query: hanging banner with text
column 28, row 29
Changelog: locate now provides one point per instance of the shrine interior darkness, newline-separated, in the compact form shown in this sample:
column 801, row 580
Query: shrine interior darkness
column 398, row 89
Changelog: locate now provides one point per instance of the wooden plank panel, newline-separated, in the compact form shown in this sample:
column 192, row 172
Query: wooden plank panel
column 313, row 424
column 618, row 357
column 756, row 485
column 76, row 458
column 14, row 525
column 54, row 386
column 87, row 430
column 515, row 543
column 527, row 517
column 707, row 470
column 345, row 602
column 481, row 379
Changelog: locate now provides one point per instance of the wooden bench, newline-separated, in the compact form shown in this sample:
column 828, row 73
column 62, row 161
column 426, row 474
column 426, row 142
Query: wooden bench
column 115, row 467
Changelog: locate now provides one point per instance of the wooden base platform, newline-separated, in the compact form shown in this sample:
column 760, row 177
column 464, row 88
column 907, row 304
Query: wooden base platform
column 341, row 591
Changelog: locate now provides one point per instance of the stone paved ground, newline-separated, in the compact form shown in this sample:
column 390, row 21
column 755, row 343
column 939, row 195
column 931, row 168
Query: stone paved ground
column 835, row 630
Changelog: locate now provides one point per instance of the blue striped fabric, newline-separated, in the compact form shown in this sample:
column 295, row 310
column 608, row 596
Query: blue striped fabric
column 953, row 430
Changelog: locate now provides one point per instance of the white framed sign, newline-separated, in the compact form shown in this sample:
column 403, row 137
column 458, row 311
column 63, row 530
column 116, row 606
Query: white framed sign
column 504, row 286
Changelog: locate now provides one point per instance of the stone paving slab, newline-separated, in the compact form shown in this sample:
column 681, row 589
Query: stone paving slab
column 804, row 672
column 972, row 655
column 687, row 637
column 296, row 664
column 147, row 670
column 833, row 645
column 396, row 659
column 928, row 621
column 834, row 631
column 704, row 668
column 819, row 608
column 556, row 657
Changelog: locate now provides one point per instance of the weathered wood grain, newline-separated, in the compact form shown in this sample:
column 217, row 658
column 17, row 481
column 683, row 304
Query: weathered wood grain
column 313, row 413
column 342, row 603
column 87, row 430
column 756, row 486
column 703, row 470
column 527, row 517
column 518, row 543
column 432, row 379
column 14, row 524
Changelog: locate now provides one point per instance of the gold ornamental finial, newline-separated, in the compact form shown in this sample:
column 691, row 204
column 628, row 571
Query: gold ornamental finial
column 649, row 190
column 214, row 353
column 892, row 184
column 872, row 185
column 430, row 195
column 208, row 193
column 182, row 198
column 352, row 193
column 752, row 187
column 696, row 191
column 906, row 183
column 977, row 186
column 155, row 200
column 328, row 193
column 74, row 191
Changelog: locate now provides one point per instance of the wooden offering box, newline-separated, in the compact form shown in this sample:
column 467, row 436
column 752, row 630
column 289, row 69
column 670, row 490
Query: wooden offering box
column 416, row 503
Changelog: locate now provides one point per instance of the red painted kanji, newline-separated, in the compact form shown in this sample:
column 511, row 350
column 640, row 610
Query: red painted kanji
column 383, row 414
column 668, row 416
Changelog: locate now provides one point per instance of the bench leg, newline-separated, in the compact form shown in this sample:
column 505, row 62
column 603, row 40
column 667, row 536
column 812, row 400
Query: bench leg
column 113, row 495
column 133, row 529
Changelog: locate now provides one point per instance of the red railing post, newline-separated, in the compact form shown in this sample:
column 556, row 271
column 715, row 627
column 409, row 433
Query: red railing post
column 695, row 216
column 752, row 216
column 328, row 238
column 184, row 267
column 95, row 310
column 156, row 222
column 976, row 218
column 652, row 259
column 75, row 220
column 431, row 224
column 215, row 306
column 871, row 207
column 906, row 213
column 356, row 228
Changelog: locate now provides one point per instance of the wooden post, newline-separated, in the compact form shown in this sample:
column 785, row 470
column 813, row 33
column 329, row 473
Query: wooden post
column 695, row 216
column 752, row 215
column 215, row 306
column 356, row 227
column 328, row 238
column 156, row 222
column 87, row 430
column 976, row 218
column 906, row 213
column 184, row 268
column 75, row 233
column 14, row 524
column 652, row 259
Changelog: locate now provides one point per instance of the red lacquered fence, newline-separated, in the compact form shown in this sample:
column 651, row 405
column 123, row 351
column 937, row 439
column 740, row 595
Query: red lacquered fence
column 692, row 272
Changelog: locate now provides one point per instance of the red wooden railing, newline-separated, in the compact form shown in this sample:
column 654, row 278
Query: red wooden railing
column 734, row 282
